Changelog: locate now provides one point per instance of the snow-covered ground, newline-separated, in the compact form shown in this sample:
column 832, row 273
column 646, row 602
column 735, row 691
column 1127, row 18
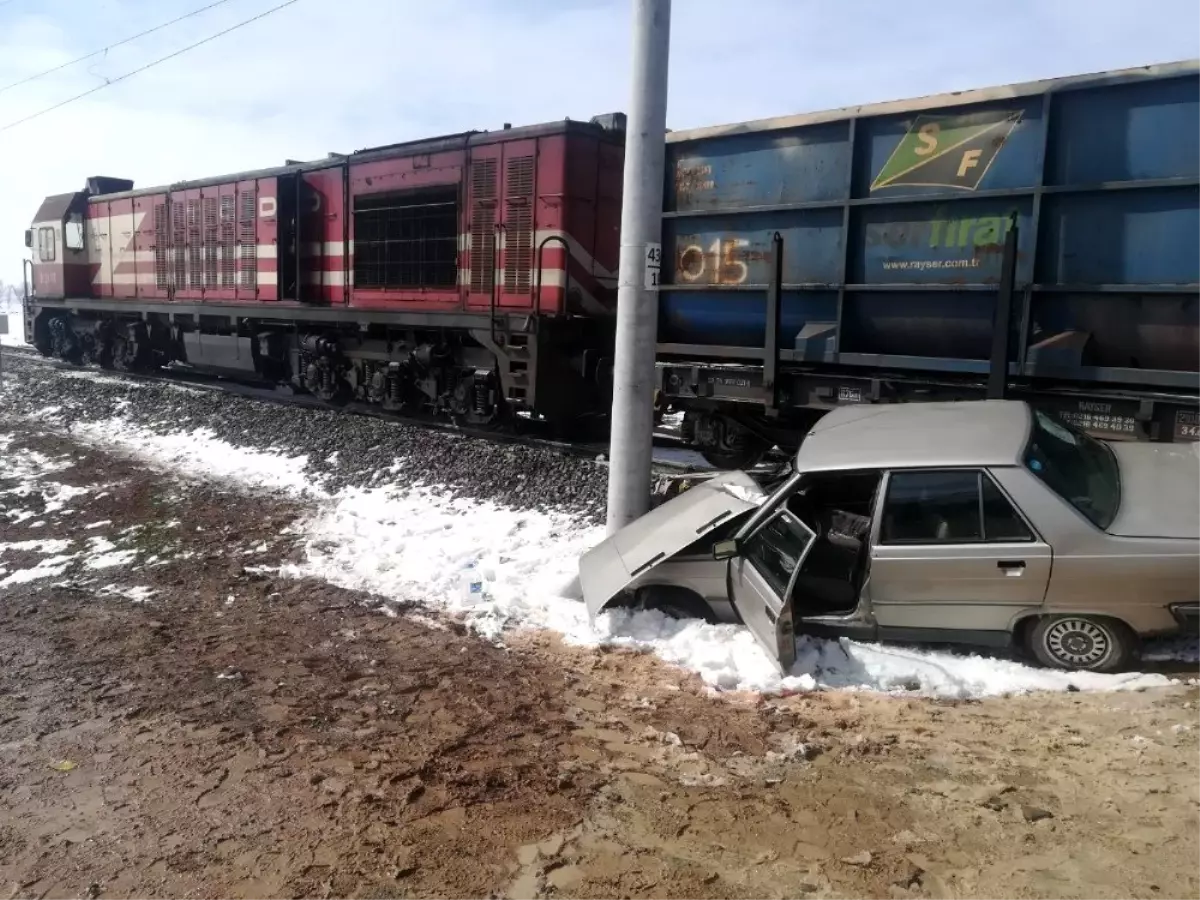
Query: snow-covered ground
column 406, row 542
column 16, row 329
column 29, row 495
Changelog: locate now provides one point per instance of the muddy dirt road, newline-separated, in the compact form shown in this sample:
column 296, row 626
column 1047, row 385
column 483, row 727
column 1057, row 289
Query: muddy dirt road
column 221, row 731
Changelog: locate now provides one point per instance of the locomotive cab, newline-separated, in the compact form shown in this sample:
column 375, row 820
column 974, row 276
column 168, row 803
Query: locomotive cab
column 60, row 263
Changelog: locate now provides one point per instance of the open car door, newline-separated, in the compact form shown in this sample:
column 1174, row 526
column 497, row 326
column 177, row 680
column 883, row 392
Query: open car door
column 761, row 580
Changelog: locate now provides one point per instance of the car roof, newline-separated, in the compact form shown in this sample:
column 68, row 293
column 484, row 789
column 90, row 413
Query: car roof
column 910, row 435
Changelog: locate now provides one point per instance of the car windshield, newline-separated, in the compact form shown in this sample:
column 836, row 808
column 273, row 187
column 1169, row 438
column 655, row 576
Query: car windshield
column 1080, row 469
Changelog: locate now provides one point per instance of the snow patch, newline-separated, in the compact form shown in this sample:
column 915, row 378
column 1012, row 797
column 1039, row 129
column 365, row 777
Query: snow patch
column 57, row 496
column 200, row 452
column 135, row 593
column 15, row 336
column 103, row 554
column 31, row 471
column 50, row 567
column 50, row 546
column 416, row 544
column 97, row 378
column 110, row 560
column 100, row 545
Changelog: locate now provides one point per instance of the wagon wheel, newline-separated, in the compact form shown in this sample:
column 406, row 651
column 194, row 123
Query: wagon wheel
column 745, row 456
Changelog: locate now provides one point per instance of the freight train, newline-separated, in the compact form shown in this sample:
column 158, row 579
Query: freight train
column 1035, row 240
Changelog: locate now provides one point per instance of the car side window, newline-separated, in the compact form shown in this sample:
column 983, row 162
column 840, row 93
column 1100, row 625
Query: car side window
column 1001, row 522
column 948, row 507
column 932, row 507
column 776, row 549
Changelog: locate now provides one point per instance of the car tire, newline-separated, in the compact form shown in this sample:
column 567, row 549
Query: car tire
column 1082, row 643
column 674, row 603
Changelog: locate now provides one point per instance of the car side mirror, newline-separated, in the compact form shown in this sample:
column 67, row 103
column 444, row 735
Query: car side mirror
column 727, row 549
column 29, row 237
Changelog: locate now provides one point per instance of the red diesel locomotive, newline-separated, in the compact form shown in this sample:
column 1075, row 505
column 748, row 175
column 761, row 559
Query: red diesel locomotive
column 472, row 275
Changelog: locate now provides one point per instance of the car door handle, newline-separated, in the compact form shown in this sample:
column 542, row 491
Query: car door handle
column 1011, row 566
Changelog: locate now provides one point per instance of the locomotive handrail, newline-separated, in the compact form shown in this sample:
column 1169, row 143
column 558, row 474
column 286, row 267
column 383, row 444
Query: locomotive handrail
column 774, row 325
column 297, row 240
column 496, row 230
column 997, row 384
column 537, row 287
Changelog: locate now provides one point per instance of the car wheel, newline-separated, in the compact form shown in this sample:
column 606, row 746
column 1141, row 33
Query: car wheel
column 1083, row 643
column 674, row 603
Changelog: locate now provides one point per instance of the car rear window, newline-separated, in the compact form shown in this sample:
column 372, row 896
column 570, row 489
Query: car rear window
column 1077, row 467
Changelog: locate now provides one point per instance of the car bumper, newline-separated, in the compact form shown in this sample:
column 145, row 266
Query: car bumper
column 1188, row 617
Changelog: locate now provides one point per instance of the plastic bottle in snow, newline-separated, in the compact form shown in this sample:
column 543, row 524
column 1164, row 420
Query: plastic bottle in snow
column 473, row 585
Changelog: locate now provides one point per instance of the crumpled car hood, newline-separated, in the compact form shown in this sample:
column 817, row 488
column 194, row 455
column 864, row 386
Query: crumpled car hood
column 611, row 566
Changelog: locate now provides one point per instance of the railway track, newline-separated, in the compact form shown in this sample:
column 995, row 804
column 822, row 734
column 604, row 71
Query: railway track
column 663, row 440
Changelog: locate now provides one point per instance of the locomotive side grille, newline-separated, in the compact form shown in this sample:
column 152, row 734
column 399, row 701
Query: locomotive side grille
column 161, row 276
column 518, row 247
column 247, row 241
column 195, row 262
column 407, row 239
column 178, row 242
column 483, row 222
column 211, row 239
column 228, row 241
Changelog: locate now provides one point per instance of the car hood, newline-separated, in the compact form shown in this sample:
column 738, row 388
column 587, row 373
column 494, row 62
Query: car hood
column 1160, row 490
column 611, row 566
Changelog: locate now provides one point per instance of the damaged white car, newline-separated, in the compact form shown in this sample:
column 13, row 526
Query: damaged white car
column 984, row 522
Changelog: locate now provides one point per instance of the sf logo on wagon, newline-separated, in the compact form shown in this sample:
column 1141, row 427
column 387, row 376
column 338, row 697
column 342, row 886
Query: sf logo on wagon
column 947, row 151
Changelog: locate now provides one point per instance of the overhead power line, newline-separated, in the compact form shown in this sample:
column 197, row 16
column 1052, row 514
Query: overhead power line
column 149, row 65
column 103, row 50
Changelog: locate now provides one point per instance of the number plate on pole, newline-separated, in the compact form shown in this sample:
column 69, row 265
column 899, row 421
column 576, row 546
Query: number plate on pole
column 652, row 262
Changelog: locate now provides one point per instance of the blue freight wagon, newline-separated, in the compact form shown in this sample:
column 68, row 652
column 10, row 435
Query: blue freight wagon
column 1039, row 240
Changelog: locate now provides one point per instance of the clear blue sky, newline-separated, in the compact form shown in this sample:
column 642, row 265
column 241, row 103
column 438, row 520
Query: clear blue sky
column 339, row 75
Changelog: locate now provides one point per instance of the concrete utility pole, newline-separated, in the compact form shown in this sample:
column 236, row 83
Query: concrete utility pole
column 632, row 444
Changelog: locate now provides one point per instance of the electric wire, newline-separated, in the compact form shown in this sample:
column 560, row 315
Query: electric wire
column 149, row 65
column 103, row 50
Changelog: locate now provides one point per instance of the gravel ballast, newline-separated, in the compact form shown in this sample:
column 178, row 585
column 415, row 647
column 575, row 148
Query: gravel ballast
column 342, row 449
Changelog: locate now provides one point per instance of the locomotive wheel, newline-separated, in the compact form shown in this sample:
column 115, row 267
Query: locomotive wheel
column 338, row 398
column 119, row 355
column 104, row 354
